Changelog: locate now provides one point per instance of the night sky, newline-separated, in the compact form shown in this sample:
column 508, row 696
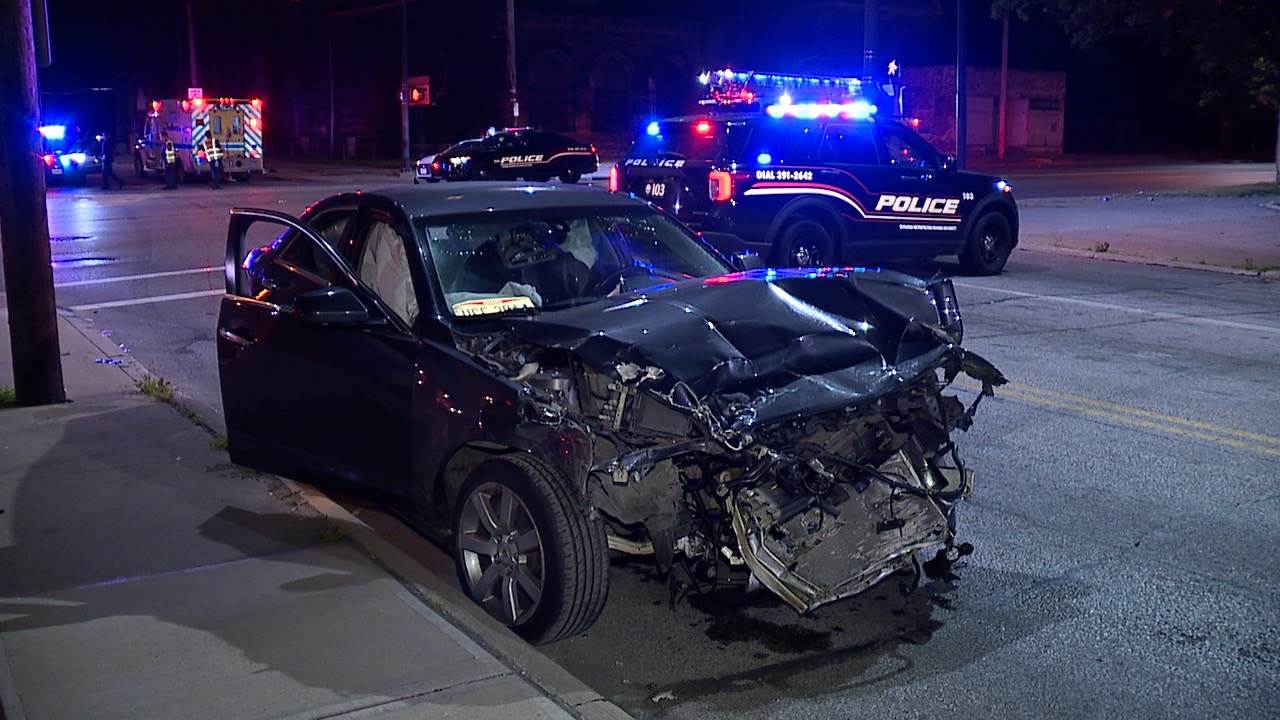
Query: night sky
column 260, row 47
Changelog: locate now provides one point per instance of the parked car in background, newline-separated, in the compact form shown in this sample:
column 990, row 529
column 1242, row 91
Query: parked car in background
column 434, row 168
column 512, row 154
column 551, row 372
column 69, row 155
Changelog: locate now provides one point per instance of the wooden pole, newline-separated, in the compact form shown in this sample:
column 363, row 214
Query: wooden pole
column 24, row 219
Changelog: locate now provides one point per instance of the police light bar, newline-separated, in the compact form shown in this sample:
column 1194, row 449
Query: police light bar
column 730, row 86
column 53, row 132
column 860, row 110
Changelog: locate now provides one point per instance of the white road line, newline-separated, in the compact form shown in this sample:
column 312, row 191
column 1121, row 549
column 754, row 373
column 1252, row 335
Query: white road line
column 147, row 300
column 146, row 276
column 1154, row 314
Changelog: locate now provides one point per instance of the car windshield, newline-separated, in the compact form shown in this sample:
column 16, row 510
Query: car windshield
column 559, row 257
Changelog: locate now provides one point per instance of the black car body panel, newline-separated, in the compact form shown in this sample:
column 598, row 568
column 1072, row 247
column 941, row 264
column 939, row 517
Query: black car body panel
column 512, row 154
column 875, row 187
column 695, row 412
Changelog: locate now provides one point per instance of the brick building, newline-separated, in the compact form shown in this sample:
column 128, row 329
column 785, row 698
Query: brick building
column 1034, row 122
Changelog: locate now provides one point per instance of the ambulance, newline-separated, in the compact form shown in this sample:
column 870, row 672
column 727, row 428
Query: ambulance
column 235, row 122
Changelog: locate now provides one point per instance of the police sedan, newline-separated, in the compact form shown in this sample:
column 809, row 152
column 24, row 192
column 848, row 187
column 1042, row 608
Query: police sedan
column 512, row 154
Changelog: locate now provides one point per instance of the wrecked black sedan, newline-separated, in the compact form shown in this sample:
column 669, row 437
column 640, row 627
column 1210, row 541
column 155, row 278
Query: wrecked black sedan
column 554, row 372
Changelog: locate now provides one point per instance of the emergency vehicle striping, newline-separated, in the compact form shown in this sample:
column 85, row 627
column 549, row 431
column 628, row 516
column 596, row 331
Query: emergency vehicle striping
column 252, row 134
column 913, row 201
column 199, row 125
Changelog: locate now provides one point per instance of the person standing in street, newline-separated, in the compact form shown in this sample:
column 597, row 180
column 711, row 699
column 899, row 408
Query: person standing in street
column 170, row 163
column 108, row 162
column 213, row 153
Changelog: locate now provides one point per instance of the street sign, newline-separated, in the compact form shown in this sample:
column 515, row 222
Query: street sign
column 193, row 93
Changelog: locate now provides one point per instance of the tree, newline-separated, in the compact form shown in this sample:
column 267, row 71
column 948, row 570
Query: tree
column 1233, row 43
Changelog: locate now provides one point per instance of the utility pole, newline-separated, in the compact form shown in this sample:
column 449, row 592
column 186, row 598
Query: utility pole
column 870, row 39
column 404, row 87
column 191, row 44
column 962, row 88
column 511, row 62
column 24, row 218
column 1004, row 87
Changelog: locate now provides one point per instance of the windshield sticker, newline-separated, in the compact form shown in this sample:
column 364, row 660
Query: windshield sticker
column 491, row 306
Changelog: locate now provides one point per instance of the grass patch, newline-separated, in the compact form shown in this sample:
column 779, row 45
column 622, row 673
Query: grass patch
column 1234, row 191
column 1102, row 247
column 155, row 388
column 161, row 390
column 1251, row 266
column 218, row 442
column 8, row 397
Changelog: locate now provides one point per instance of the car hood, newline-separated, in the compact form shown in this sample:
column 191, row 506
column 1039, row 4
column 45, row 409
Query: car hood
column 763, row 345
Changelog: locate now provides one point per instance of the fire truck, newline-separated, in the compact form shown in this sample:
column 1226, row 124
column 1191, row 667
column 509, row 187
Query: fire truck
column 235, row 122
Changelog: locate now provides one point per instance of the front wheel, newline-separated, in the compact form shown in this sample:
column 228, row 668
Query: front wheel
column 805, row 243
column 570, row 175
column 989, row 246
column 526, row 550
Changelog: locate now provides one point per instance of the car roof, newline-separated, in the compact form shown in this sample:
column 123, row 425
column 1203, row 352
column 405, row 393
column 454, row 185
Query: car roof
column 481, row 196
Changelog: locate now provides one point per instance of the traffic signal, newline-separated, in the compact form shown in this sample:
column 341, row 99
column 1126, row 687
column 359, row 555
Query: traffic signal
column 419, row 92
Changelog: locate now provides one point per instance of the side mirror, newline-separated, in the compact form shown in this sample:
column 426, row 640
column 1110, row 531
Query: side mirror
column 745, row 260
column 332, row 306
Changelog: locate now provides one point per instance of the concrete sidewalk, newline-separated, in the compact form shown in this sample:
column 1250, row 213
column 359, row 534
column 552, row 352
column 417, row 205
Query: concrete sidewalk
column 143, row 576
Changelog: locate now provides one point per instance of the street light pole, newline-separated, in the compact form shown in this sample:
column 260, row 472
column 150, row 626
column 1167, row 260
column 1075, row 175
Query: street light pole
column 191, row 44
column 404, row 86
column 511, row 62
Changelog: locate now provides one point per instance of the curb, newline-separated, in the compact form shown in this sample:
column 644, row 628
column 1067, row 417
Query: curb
column 1157, row 262
column 555, row 682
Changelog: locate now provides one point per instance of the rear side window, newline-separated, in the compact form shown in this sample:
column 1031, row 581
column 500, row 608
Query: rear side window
column 850, row 144
column 694, row 141
column 781, row 142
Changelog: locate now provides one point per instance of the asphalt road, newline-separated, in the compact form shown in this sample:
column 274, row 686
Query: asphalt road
column 1124, row 519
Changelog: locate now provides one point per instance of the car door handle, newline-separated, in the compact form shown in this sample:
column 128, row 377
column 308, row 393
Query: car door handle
column 235, row 337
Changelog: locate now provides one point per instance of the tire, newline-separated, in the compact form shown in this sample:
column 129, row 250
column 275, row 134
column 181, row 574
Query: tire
column 805, row 243
column 989, row 245
column 570, row 175
column 138, row 168
column 526, row 551
column 244, row 177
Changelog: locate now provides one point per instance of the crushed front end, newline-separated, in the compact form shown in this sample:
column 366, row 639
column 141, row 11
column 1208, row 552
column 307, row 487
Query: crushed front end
column 792, row 427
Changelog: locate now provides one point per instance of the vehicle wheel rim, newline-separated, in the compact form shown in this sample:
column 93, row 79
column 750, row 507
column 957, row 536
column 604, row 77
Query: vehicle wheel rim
column 502, row 553
column 805, row 253
column 992, row 246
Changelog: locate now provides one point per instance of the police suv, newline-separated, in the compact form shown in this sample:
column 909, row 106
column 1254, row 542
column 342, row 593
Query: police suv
column 820, row 185
column 512, row 154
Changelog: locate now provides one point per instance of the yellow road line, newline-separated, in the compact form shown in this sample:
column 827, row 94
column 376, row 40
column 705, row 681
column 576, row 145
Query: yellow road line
column 1240, row 439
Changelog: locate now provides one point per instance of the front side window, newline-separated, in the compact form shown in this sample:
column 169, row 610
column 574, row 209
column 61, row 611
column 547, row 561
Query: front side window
column 903, row 147
column 384, row 267
column 292, row 264
column 557, row 258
